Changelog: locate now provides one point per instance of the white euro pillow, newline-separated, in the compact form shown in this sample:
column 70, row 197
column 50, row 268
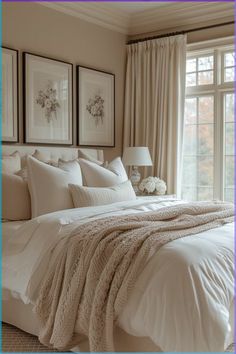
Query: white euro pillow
column 98, row 176
column 11, row 163
column 15, row 198
column 86, row 156
column 71, row 166
column 92, row 196
column 48, row 187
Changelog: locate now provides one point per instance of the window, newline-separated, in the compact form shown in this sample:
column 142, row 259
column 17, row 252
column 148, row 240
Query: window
column 208, row 151
column 200, row 71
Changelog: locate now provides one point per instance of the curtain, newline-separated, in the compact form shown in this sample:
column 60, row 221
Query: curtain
column 154, row 104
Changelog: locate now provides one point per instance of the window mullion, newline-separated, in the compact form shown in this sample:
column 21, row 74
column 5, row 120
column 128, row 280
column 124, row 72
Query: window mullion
column 218, row 156
column 217, row 91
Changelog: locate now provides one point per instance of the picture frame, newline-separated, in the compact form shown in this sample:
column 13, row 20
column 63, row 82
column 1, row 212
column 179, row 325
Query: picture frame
column 95, row 107
column 10, row 109
column 48, row 100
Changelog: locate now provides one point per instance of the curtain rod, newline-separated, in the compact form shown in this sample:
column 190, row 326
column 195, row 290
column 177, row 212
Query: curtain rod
column 180, row 32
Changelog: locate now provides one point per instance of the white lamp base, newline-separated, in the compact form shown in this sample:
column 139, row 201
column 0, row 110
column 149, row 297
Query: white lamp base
column 135, row 178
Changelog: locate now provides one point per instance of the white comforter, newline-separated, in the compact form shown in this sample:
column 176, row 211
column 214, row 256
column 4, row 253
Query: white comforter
column 182, row 299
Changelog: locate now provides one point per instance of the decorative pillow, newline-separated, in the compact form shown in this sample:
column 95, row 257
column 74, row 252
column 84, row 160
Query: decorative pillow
column 11, row 163
column 98, row 176
column 15, row 198
column 48, row 187
column 90, row 196
column 41, row 156
column 71, row 166
column 85, row 156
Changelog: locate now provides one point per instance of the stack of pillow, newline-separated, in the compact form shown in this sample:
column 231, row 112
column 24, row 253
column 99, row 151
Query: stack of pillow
column 46, row 186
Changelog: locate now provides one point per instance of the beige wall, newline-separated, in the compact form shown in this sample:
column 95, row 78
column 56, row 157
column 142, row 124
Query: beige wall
column 40, row 30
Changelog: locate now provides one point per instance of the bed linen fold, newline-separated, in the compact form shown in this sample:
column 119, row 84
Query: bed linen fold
column 90, row 280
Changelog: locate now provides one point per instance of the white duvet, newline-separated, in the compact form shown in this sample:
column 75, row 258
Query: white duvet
column 183, row 298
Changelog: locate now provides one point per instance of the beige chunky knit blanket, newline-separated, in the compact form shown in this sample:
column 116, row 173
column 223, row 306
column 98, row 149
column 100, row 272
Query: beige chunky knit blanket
column 90, row 280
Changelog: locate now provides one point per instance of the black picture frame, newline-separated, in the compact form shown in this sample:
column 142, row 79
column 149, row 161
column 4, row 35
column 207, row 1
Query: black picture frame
column 81, row 114
column 15, row 98
column 40, row 141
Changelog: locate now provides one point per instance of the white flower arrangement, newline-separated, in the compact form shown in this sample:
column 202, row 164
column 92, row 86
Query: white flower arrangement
column 47, row 99
column 153, row 185
column 95, row 107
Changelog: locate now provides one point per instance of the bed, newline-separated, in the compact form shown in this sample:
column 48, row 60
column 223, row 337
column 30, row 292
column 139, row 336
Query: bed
column 159, row 315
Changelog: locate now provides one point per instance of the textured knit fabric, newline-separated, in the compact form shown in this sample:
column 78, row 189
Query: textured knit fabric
column 90, row 280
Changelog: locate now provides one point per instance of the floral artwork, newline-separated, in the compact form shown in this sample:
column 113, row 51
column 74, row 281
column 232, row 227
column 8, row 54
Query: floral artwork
column 95, row 107
column 9, row 92
column 153, row 185
column 47, row 99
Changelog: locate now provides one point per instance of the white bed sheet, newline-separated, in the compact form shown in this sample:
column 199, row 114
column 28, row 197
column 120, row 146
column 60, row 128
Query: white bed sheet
column 183, row 298
column 8, row 229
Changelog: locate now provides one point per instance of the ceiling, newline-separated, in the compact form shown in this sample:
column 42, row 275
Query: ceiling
column 133, row 18
column 134, row 7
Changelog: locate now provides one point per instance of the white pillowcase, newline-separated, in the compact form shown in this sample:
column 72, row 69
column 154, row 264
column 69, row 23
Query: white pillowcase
column 41, row 156
column 98, row 176
column 90, row 196
column 11, row 163
column 15, row 198
column 85, row 156
column 71, row 166
column 48, row 187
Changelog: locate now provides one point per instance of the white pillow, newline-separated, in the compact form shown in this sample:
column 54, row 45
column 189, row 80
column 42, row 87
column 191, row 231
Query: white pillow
column 11, row 163
column 90, row 196
column 98, row 176
column 85, row 156
column 41, row 156
column 48, row 187
column 15, row 198
column 71, row 166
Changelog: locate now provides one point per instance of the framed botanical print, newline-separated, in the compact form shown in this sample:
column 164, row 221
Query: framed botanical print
column 9, row 95
column 95, row 107
column 47, row 100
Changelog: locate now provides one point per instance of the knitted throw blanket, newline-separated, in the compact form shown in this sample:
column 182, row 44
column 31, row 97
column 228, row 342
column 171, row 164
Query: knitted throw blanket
column 90, row 280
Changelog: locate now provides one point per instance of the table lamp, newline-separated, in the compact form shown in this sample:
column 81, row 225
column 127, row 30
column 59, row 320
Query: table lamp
column 136, row 156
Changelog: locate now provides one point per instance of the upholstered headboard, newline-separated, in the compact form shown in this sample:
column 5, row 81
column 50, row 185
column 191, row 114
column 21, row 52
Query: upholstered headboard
column 53, row 153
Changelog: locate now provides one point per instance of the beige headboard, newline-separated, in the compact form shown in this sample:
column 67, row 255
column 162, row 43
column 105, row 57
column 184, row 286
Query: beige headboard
column 53, row 153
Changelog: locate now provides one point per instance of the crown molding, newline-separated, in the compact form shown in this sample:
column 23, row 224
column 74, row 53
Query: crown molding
column 113, row 19
column 169, row 15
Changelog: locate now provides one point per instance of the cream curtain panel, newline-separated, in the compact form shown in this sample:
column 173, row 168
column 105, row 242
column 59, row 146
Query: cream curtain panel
column 154, row 104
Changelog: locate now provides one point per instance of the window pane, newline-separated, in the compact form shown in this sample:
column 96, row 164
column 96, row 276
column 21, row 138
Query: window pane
column 229, row 194
column 206, row 109
column 189, row 193
column 191, row 65
column 205, row 171
column 229, row 171
column 229, row 107
column 191, row 79
column 205, row 77
column 189, row 171
column 190, row 111
column 205, row 193
column 205, row 63
column 206, row 139
column 190, row 139
column 229, row 74
column 229, row 59
column 229, row 146
column 229, row 138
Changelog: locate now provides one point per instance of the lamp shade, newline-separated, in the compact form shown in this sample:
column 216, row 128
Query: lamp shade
column 137, row 156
